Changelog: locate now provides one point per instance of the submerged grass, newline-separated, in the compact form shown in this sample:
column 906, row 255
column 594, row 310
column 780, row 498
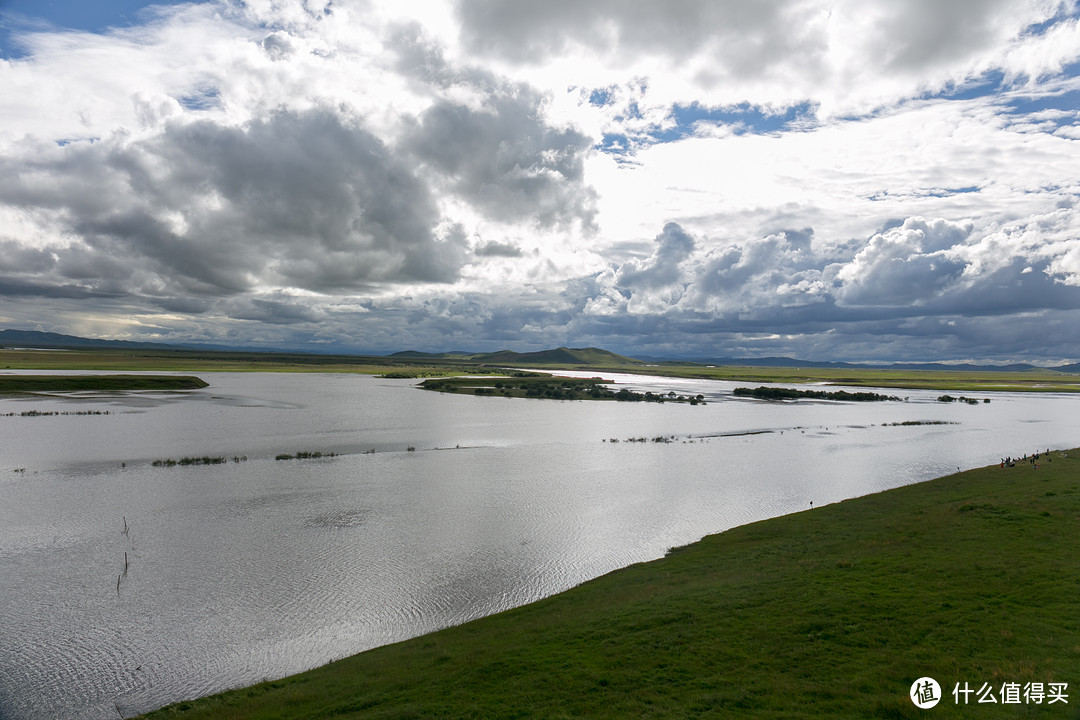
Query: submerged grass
column 203, row 460
column 305, row 455
column 831, row 612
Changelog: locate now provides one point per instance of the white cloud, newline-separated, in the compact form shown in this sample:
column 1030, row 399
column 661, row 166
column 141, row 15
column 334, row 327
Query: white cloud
column 446, row 174
column 848, row 57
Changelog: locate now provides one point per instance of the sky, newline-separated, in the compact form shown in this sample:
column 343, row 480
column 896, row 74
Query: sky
column 859, row 180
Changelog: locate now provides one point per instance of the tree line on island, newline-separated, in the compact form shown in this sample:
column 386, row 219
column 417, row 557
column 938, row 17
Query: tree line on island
column 534, row 385
column 779, row 393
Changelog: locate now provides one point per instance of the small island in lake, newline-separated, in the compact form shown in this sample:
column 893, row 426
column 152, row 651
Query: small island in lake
column 776, row 393
column 10, row 384
column 534, row 385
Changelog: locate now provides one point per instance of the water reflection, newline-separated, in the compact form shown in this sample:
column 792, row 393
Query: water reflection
column 243, row 571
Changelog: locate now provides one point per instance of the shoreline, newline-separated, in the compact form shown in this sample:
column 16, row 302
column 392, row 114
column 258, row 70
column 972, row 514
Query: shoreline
column 830, row 611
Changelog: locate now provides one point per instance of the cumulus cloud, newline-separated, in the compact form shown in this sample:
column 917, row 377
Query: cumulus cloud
column 908, row 265
column 502, row 160
column 298, row 199
column 673, row 246
column 778, row 177
column 842, row 56
column 919, row 276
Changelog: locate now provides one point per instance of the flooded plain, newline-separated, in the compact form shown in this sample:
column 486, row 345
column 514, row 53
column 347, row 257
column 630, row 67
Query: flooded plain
column 128, row 585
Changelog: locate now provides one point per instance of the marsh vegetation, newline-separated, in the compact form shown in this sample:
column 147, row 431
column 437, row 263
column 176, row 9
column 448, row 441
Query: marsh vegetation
column 54, row 413
column 533, row 385
column 204, row 460
column 961, row 399
column 778, row 393
column 305, row 455
column 910, row 423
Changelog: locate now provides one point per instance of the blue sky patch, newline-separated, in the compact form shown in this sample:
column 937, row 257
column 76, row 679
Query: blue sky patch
column 204, row 99
column 934, row 192
column 95, row 16
column 742, row 119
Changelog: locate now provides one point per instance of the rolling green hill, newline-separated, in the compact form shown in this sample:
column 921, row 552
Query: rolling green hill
column 562, row 357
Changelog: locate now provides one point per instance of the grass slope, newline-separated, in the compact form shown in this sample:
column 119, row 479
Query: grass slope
column 74, row 383
column 832, row 612
column 563, row 357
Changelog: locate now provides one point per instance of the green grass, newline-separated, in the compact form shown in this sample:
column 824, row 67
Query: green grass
column 949, row 380
column 591, row 361
column 533, row 385
column 74, row 383
column 831, row 612
column 778, row 393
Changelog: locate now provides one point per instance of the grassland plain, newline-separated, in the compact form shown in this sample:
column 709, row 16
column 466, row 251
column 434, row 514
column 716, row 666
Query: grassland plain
column 831, row 612
column 435, row 366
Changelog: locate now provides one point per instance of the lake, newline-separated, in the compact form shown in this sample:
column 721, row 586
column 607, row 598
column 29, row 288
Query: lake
column 127, row 586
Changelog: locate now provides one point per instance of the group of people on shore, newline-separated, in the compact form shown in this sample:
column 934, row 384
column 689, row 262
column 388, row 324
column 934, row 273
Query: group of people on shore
column 1032, row 459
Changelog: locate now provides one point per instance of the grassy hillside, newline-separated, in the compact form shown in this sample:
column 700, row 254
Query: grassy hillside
column 831, row 612
column 562, row 357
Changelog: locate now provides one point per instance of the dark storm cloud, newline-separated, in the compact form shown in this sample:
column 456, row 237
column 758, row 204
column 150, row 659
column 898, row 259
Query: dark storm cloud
column 749, row 32
column 740, row 39
column 184, row 305
column 497, row 153
column 302, row 199
column 498, row 249
column 274, row 310
column 22, row 288
column 505, row 161
column 918, row 33
column 422, row 59
column 15, row 257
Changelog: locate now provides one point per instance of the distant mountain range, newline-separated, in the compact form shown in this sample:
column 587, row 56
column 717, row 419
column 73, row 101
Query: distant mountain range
column 562, row 356
column 795, row 363
column 558, row 356
column 35, row 339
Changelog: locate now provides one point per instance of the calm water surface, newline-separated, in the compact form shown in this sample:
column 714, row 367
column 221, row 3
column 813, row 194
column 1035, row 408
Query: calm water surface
column 257, row 569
